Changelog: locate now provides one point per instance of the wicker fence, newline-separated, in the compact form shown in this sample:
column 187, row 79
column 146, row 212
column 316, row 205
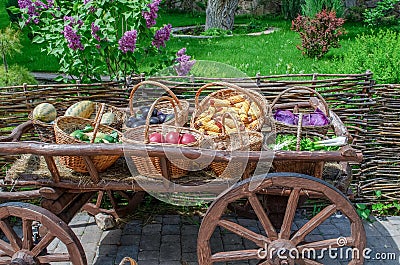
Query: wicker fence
column 368, row 110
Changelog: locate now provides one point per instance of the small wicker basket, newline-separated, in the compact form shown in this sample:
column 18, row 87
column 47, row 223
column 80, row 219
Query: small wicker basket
column 236, row 141
column 180, row 107
column 152, row 166
column 44, row 130
column 230, row 90
column 303, row 108
column 65, row 125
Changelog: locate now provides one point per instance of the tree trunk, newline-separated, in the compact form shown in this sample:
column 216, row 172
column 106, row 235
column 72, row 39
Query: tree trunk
column 221, row 14
column 5, row 61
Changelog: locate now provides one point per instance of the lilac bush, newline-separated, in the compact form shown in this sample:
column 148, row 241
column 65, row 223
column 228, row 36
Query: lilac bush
column 184, row 63
column 92, row 39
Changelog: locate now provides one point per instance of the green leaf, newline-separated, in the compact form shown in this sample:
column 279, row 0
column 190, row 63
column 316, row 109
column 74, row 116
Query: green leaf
column 378, row 193
column 361, row 206
column 38, row 39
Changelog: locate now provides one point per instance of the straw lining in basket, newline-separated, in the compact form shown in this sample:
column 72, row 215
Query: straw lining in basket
column 44, row 130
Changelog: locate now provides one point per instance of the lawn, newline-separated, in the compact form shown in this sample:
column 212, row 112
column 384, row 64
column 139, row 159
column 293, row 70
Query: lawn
column 270, row 54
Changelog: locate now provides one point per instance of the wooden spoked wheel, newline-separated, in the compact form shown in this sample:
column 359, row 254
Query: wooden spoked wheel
column 122, row 203
column 283, row 239
column 26, row 247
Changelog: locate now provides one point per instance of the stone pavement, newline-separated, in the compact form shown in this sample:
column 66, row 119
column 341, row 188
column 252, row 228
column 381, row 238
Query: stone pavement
column 171, row 240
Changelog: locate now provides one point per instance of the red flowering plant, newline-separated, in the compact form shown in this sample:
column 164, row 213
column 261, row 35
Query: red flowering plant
column 94, row 38
column 318, row 34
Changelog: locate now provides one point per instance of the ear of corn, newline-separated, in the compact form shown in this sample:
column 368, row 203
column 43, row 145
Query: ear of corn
column 236, row 99
column 220, row 102
column 211, row 126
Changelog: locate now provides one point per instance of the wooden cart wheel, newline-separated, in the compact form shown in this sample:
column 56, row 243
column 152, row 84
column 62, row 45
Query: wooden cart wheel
column 28, row 248
column 122, row 202
column 293, row 185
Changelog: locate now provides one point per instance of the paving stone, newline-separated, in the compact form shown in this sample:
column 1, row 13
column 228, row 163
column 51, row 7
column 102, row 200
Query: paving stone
column 171, row 219
column 127, row 251
column 189, row 230
column 170, row 262
column 229, row 247
column 379, row 242
column 107, row 250
column 189, row 256
column 104, row 260
column 328, row 229
column 370, row 229
column 395, row 220
column 171, row 230
column 171, row 239
column 151, row 229
column 127, row 240
column 111, row 237
column 232, row 239
column 149, row 262
column 150, row 242
column 170, row 252
column 148, row 255
column 216, row 245
column 189, row 244
column 132, row 228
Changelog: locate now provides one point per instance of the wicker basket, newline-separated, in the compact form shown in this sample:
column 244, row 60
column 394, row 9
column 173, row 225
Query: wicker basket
column 151, row 166
column 236, row 141
column 229, row 91
column 65, row 125
column 180, row 107
column 304, row 108
column 44, row 130
column 119, row 115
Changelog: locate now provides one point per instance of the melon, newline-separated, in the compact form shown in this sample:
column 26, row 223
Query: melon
column 108, row 118
column 81, row 109
column 44, row 112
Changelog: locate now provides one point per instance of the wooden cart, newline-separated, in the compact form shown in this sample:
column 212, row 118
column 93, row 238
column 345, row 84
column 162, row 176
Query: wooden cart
column 63, row 198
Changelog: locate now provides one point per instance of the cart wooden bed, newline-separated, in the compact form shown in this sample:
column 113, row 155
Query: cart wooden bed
column 62, row 198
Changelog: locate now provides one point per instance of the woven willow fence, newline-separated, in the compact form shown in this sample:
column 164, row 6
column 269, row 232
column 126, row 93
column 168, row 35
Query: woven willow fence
column 366, row 109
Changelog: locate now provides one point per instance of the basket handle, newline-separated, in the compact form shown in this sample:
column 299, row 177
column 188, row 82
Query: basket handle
column 97, row 120
column 236, row 125
column 147, row 125
column 128, row 259
column 302, row 88
column 154, row 83
column 251, row 95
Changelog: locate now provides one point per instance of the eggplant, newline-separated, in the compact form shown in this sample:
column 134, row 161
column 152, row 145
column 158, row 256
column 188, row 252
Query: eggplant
column 162, row 117
column 154, row 120
column 169, row 117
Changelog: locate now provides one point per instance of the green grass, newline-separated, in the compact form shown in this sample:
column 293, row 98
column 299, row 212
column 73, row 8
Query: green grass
column 31, row 55
column 275, row 53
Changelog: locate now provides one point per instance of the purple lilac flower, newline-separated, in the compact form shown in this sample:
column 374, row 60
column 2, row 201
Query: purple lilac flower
column 162, row 35
column 128, row 41
column 73, row 39
column 86, row 1
column 94, row 30
column 150, row 16
column 184, row 63
column 33, row 8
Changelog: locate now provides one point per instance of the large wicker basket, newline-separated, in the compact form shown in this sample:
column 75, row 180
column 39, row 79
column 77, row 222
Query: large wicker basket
column 44, row 130
column 235, row 141
column 151, row 166
column 65, row 125
column 180, row 108
column 301, row 107
column 230, row 90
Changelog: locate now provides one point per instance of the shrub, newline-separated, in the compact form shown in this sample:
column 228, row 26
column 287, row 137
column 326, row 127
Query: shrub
column 290, row 8
column 311, row 8
column 96, row 38
column 378, row 52
column 10, row 5
column 382, row 14
column 318, row 34
column 16, row 75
